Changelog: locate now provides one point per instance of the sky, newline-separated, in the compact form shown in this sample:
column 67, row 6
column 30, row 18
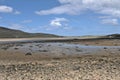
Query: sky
column 62, row 17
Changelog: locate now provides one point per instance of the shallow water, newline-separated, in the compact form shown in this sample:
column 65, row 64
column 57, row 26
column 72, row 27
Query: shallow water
column 59, row 49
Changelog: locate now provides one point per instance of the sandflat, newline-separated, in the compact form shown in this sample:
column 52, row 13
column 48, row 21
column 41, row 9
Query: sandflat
column 66, row 60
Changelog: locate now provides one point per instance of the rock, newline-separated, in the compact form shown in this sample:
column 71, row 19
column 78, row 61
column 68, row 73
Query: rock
column 28, row 53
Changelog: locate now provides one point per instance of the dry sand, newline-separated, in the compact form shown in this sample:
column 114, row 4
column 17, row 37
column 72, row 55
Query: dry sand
column 60, row 61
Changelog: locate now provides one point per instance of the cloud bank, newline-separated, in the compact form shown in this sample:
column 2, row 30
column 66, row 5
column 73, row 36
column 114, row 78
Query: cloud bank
column 75, row 7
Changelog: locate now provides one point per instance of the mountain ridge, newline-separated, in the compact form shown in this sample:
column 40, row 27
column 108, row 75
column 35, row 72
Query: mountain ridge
column 13, row 33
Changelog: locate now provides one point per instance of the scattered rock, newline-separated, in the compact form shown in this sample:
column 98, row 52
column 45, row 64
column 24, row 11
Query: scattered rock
column 118, row 49
column 31, row 46
column 43, row 50
column 78, row 50
column 16, row 48
column 105, row 47
column 27, row 54
column 5, row 48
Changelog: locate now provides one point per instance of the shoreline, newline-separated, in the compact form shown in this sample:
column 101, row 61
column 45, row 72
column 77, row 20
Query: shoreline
column 84, row 41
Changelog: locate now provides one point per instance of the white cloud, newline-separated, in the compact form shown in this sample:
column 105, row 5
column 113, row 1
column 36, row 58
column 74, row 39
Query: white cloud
column 67, row 7
column 109, row 8
column 105, row 17
column 73, row 7
column 58, row 22
column 110, row 21
column 6, row 9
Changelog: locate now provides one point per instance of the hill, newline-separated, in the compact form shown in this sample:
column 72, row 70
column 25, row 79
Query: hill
column 12, row 33
column 114, row 36
column 111, row 36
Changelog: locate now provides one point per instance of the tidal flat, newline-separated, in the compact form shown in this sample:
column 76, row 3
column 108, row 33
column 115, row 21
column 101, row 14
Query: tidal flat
column 56, row 60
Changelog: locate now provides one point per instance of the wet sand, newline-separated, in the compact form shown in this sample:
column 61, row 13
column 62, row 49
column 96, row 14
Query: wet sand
column 99, row 42
column 75, row 60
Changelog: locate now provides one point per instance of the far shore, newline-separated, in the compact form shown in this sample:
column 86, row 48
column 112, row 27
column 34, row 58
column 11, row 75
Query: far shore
column 76, row 40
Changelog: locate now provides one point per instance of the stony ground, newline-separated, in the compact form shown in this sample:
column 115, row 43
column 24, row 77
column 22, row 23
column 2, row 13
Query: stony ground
column 39, row 61
column 80, row 68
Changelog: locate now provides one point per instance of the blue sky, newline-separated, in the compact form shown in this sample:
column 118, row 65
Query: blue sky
column 62, row 17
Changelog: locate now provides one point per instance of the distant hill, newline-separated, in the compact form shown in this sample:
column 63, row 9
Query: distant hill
column 112, row 36
column 11, row 33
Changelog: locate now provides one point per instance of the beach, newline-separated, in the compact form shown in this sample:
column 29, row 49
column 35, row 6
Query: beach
column 75, row 59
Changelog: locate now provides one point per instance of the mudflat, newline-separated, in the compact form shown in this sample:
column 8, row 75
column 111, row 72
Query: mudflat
column 60, row 60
